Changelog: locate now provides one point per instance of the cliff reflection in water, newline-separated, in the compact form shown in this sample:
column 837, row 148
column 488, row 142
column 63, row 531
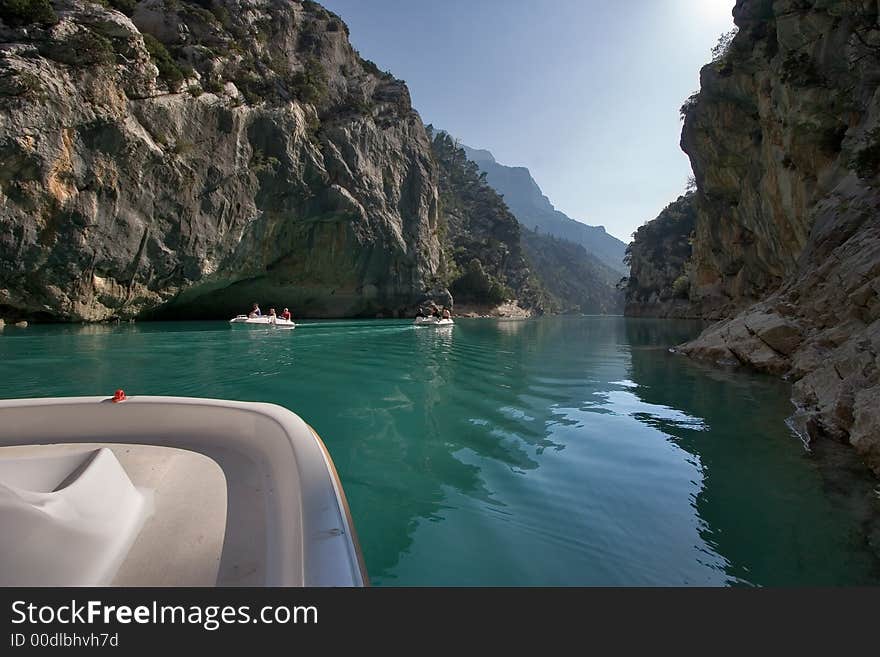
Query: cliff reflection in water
column 764, row 501
column 429, row 406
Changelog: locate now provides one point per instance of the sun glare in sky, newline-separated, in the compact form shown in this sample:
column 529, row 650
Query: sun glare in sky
column 712, row 11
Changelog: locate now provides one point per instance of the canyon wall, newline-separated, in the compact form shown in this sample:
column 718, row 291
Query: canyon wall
column 190, row 158
column 784, row 142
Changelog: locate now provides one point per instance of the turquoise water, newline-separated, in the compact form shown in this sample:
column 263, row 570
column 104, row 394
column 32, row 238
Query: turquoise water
column 543, row 452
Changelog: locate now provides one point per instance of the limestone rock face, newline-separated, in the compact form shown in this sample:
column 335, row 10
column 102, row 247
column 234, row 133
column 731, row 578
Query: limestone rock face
column 195, row 157
column 784, row 140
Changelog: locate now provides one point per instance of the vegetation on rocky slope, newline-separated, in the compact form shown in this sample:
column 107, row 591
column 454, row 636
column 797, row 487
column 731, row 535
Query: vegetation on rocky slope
column 658, row 284
column 576, row 281
column 483, row 262
column 489, row 258
column 27, row 12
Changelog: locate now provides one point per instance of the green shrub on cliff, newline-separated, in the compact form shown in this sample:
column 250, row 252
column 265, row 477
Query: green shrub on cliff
column 722, row 47
column 371, row 67
column 261, row 163
column 681, row 286
column 314, row 7
column 168, row 69
column 253, row 87
column 27, row 12
column 83, row 47
column 335, row 23
column 124, row 6
column 310, row 84
column 477, row 286
column 723, row 54
column 354, row 104
column 221, row 13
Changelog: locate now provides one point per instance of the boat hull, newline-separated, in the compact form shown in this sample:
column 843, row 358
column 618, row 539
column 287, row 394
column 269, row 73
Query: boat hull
column 432, row 321
column 262, row 322
column 287, row 521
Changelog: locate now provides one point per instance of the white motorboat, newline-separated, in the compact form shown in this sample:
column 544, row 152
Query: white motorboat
column 264, row 321
column 169, row 491
column 432, row 321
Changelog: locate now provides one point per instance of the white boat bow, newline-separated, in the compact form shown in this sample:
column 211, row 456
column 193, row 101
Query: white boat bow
column 169, row 491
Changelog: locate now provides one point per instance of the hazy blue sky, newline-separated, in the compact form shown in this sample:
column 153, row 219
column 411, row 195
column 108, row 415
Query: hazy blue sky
column 585, row 93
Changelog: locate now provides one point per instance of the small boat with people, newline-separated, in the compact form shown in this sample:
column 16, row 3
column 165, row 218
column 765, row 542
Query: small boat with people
column 275, row 322
column 256, row 318
column 169, row 491
column 432, row 321
column 433, row 316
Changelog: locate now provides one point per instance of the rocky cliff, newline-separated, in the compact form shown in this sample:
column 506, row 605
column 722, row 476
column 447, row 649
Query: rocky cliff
column 184, row 159
column 659, row 257
column 784, row 140
column 534, row 210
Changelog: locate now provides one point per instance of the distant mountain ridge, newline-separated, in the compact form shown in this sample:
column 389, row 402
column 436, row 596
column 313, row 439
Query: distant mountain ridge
column 489, row 258
column 533, row 209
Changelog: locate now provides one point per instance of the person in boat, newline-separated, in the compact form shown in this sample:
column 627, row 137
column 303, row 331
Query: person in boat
column 285, row 314
column 446, row 314
column 435, row 312
column 420, row 312
column 272, row 314
column 255, row 312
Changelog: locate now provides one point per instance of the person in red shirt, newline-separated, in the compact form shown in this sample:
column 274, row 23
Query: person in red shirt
column 285, row 314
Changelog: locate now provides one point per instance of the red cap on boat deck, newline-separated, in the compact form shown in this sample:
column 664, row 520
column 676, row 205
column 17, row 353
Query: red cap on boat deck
column 119, row 396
